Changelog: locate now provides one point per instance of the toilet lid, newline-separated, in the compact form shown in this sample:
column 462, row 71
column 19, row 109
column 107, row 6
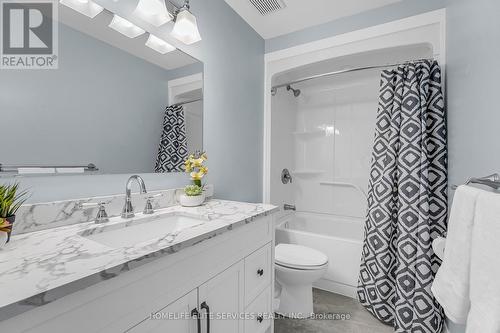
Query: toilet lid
column 292, row 255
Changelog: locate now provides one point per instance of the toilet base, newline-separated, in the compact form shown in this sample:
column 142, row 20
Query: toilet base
column 296, row 302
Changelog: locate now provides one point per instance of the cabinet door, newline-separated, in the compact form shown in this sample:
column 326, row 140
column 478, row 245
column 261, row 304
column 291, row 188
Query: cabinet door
column 176, row 317
column 223, row 295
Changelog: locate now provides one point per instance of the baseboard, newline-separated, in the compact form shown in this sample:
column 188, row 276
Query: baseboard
column 336, row 287
column 446, row 329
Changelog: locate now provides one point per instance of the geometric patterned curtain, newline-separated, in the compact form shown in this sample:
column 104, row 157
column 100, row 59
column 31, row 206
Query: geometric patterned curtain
column 172, row 150
column 407, row 200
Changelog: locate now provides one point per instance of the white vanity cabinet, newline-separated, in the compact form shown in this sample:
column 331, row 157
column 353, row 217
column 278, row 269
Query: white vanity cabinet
column 219, row 298
column 229, row 276
column 182, row 317
column 221, row 302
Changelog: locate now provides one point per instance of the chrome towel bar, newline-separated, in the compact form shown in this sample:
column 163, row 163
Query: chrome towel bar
column 15, row 168
column 492, row 181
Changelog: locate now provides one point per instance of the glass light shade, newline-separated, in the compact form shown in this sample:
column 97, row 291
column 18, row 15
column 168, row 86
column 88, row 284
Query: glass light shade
column 125, row 27
column 153, row 11
column 186, row 28
column 85, row 7
column 159, row 45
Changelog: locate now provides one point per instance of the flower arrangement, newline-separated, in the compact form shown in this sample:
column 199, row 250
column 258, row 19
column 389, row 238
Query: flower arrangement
column 193, row 194
column 194, row 166
column 10, row 201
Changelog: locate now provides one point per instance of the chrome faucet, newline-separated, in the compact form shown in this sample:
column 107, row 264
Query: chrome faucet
column 102, row 216
column 128, row 210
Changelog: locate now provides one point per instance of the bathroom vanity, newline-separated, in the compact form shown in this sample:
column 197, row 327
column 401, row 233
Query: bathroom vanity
column 177, row 270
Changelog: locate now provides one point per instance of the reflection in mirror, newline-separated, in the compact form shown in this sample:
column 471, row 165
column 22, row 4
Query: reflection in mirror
column 113, row 102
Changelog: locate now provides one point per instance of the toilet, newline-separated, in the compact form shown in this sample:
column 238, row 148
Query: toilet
column 297, row 267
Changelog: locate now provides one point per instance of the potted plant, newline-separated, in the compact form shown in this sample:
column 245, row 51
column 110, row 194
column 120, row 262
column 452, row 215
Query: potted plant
column 10, row 201
column 193, row 194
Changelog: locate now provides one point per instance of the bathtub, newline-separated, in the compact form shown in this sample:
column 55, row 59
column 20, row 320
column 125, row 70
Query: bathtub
column 340, row 238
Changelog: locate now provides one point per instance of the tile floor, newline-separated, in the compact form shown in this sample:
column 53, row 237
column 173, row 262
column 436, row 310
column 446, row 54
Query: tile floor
column 361, row 321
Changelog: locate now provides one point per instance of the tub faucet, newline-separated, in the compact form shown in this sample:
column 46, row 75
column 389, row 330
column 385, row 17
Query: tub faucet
column 128, row 210
column 289, row 207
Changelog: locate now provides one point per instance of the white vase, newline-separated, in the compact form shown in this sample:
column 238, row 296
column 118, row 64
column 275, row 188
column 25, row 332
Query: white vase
column 3, row 238
column 191, row 201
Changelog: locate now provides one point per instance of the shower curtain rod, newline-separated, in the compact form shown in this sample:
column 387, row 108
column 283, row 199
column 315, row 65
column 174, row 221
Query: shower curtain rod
column 356, row 69
column 187, row 102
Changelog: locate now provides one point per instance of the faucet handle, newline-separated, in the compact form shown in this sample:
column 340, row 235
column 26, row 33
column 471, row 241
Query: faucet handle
column 148, row 209
column 101, row 216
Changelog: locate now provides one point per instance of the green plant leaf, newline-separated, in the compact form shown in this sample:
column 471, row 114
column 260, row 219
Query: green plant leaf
column 11, row 199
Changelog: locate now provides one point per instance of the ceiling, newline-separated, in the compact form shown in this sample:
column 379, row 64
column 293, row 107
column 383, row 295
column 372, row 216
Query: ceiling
column 301, row 14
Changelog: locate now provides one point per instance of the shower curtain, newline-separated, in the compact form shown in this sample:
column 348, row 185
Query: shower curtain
column 407, row 200
column 173, row 144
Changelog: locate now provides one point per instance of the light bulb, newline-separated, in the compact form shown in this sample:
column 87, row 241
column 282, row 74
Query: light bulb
column 159, row 45
column 125, row 27
column 85, row 7
column 186, row 28
column 153, row 11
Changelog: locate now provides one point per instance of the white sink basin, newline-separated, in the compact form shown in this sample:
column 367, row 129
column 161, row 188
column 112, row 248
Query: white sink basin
column 129, row 233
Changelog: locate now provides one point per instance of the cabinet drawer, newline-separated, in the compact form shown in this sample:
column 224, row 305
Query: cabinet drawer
column 259, row 313
column 257, row 272
column 175, row 317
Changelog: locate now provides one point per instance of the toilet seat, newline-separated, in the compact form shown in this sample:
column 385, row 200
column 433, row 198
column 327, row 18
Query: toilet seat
column 299, row 257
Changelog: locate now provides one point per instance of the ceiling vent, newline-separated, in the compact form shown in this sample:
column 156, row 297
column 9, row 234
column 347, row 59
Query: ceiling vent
column 266, row 7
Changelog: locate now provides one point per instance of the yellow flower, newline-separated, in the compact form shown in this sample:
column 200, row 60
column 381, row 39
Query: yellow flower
column 198, row 162
column 195, row 176
column 204, row 156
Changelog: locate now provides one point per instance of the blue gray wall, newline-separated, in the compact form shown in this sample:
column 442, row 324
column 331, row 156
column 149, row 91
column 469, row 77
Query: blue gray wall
column 473, row 72
column 233, row 56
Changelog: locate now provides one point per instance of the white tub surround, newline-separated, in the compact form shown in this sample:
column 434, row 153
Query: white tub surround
column 38, row 269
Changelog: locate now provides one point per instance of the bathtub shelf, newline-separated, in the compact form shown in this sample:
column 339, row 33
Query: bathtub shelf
column 343, row 184
column 306, row 172
column 309, row 134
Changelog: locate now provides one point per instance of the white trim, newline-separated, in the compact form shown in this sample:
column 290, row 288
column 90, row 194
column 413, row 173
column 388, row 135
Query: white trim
column 198, row 77
column 274, row 59
column 436, row 16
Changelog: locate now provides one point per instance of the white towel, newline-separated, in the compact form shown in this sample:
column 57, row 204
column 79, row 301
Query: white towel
column 451, row 284
column 438, row 246
column 27, row 171
column 484, row 315
column 70, row 170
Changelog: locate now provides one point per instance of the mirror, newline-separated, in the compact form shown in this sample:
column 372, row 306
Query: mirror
column 112, row 101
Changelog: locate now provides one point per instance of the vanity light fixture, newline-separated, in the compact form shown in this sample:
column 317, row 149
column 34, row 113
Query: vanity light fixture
column 159, row 45
column 125, row 27
column 153, row 11
column 186, row 28
column 86, row 7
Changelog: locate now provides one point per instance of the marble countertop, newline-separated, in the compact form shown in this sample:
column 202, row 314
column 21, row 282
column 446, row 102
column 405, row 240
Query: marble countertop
column 39, row 267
